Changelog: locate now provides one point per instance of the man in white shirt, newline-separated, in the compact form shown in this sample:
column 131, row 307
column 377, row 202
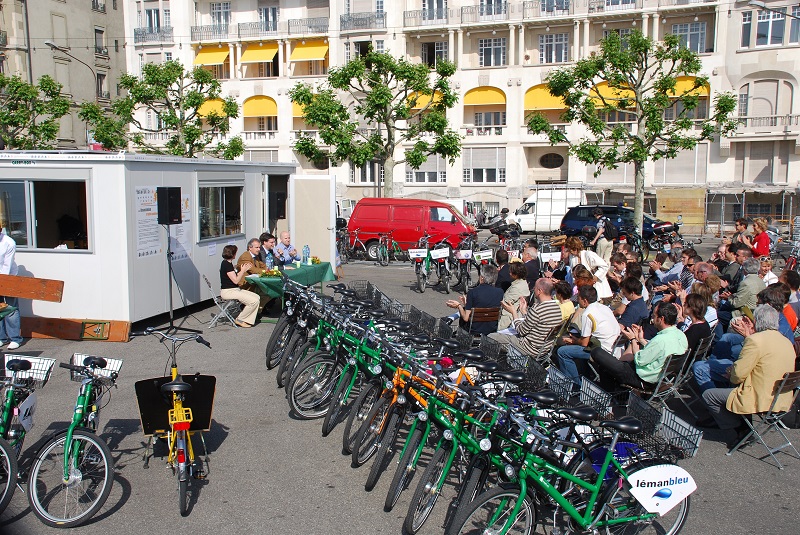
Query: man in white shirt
column 9, row 326
column 598, row 322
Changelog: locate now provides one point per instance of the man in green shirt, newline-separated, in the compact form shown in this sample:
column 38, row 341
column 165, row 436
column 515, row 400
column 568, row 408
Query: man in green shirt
column 641, row 364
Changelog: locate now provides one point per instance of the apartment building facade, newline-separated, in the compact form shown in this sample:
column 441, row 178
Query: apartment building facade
column 504, row 50
column 81, row 44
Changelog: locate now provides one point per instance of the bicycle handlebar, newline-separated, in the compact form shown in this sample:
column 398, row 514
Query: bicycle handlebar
column 164, row 335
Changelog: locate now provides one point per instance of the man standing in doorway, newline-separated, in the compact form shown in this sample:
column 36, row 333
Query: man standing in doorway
column 9, row 326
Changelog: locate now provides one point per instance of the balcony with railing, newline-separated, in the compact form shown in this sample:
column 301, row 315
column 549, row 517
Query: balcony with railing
column 98, row 5
column 484, row 13
column 104, row 95
column 493, row 130
column 768, row 124
column 309, row 26
column 425, row 17
column 606, row 6
column 259, row 135
column 153, row 35
column 295, row 135
column 669, row 3
column 257, row 29
column 529, row 136
column 211, row 32
column 362, row 21
column 157, row 136
column 100, row 50
column 3, row 38
column 547, row 8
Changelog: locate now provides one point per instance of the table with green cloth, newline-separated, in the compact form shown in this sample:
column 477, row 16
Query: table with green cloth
column 305, row 275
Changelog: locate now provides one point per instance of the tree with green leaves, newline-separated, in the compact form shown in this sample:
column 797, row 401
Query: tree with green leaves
column 174, row 98
column 373, row 105
column 30, row 113
column 637, row 77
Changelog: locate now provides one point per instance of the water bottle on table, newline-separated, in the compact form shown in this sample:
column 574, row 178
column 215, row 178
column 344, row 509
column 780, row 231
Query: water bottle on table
column 306, row 255
column 268, row 261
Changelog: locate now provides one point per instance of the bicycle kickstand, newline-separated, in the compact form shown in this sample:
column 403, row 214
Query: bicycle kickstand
column 205, row 450
column 148, row 449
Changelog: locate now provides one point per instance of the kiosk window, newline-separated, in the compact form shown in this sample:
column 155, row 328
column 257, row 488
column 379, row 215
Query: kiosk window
column 220, row 211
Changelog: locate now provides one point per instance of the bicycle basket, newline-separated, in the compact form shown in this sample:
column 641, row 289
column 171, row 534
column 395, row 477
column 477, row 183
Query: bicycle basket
column 39, row 372
column 683, row 438
column 560, row 384
column 595, row 397
column 360, row 287
column 427, row 323
column 535, row 377
column 112, row 366
column 516, row 359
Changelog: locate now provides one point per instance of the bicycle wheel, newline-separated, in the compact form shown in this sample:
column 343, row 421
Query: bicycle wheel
column 366, row 443
column 427, row 491
column 383, row 255
column 622, row 504
column 422, row 280
column 8, row 473
column 183, row 475
column 91, row 474
column 297, row 340
column 445, row 278
column 474, row 484
column 386, row 448
column 278, row 341
column 338, row 402
column 369, row 395
column 491, row 513
column 311, row 388
column 405, row 471
column 343, row 251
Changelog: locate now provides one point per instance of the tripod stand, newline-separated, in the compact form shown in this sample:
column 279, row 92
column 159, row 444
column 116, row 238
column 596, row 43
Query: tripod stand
column 170, row 277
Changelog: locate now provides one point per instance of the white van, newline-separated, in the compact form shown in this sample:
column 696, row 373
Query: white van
column 543, row 210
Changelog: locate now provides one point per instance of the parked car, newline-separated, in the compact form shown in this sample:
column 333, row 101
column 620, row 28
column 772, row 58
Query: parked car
column 578, row 217
column 408, row 219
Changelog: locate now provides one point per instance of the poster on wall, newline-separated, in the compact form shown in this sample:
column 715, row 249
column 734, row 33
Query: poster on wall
column 182, row 234
column 148, row 239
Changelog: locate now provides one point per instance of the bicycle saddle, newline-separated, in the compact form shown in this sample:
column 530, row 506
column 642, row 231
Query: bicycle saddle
column 448, row 343
column 418, row 339
column 18, row 365
column 176, row 386
column 628, row 425
column 94, row 362
column 512, row 376
column 584, row 413
column 486, row 366
column 470, row 354
column 545, row 397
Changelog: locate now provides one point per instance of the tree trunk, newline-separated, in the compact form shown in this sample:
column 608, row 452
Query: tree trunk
column 638, row 203
column 388, row 176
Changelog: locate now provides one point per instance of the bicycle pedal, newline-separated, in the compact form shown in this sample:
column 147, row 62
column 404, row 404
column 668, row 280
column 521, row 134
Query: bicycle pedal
column 198, row 474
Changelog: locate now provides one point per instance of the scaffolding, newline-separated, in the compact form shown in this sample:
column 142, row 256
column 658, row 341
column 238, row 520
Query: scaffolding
column 724, row 207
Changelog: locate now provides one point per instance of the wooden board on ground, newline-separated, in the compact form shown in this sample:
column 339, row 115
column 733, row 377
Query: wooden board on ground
column 31, row 288
column 76, row 329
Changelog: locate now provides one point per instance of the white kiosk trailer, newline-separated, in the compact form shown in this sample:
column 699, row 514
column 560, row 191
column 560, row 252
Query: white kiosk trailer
column 90, row 219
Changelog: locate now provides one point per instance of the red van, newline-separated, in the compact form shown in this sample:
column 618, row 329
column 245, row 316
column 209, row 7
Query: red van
column 408, row 219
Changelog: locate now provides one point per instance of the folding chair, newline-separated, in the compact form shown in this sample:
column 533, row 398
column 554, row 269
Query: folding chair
column 664, row 386
column 685, row 380
column 771, row 420
column 487, row 315
column 227, row 307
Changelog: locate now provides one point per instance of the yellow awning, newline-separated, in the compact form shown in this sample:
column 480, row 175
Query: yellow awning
column 423, row 100
column 310, row 51
column 211, row 105
column 259, row 106
column 484, row 96
column 259, row 53
column 610, row 94
column 211, row 56
column 539, row 98
column 297, row 110
column 686, row 83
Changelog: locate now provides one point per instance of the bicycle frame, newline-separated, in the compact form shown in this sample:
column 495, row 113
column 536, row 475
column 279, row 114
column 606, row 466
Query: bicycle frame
column 79, row 418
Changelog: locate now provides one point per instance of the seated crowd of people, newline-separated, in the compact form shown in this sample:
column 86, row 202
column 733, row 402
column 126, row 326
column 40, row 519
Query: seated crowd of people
column 615, row 324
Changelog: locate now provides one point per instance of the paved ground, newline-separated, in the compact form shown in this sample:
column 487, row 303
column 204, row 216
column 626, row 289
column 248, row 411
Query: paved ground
column 271, row 474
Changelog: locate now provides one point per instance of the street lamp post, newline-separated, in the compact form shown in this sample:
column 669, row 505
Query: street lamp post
column 65, row 51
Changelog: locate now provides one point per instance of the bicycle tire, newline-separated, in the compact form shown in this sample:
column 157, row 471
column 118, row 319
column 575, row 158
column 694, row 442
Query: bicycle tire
column 422, row 281
column 366, row 443
column 86, row 494
column 301, row 355
column 445, row 278
column 473, row 485
column 386, row 448
column 338, row 402
column 311, row 388
column 297, row 340
column 383, row 255
column 427, row 492
column 366, row 399
column 8, row 473
column 489, row 512
column 472, row 281
column 278, row 341
column 405, row 471
column 183, row 476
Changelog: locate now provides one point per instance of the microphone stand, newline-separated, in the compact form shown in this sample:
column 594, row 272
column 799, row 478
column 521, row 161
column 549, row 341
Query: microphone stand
column 170, row 277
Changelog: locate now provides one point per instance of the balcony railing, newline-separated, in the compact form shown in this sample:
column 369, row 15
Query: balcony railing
column 257, row 29
column 213, row 31
column 561, row 127
column 153, row 35
column 425, row 17
column 3, row 38
column 104, row 94
column 362, row 21
column 547, row 8
column 768, row 124
column 294, row 135
column 101, row 50
column 662, row 3
column 259, row 135
column 596, row 6
column 97, row 5
column 308, row 26
column 484, row 12
column 158, row 136
column 495, row 130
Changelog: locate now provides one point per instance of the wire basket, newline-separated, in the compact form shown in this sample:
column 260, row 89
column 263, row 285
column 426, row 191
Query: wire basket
column 378, row 297
column 444, row 330
column 39, row 372
column 371, row 289
column 464, row 338
column 112, row 366
column 360, row 287
column 535, row 377
column 592, row 395
column 647, row 414
column 683, row 438
column 560, row 384
column 427, row 323
column 491, row 349
column 516, row 358
column 397, row 310
column 414, row 316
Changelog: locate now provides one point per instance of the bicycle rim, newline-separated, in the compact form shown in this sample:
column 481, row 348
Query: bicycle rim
column 492, row 511
column 369, row 395
column 405, row 470
column 8, row 473
column 340, row 397
column 312, row 387
column 183, row 476
column 67, row 505
column 366, row 444
column 428, row 489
